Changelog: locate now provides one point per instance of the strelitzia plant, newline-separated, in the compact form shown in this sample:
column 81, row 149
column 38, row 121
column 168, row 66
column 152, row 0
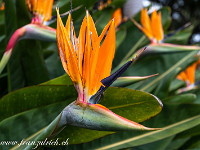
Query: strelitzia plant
column 2, row 6
column 41, row 13
column 88, row 61
column 117, row 15
column 188, row 76
column 153, row 30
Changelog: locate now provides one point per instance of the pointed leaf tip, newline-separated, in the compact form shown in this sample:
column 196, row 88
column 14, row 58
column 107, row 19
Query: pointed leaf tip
column 98, row 117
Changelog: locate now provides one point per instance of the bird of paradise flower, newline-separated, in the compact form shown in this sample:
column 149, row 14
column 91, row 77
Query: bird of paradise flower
column 188, row 76
column 41, row 11
column 88, row 61
column 153, row 29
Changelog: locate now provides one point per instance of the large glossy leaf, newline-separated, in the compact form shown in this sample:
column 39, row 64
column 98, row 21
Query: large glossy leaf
column 62, row 80
column 34, row 97
column 26, row 111
column 121, row 101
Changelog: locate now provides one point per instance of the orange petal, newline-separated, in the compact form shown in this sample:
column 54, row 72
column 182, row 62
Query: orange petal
column 87, row 63
column 145, row 21
column 105, row 57
column 48, row 10
column 117, row 15
column 105, row 30
column 95, row 46
column 67, row 52
column 88, row 51
column 156, row 25
column 41, row 6
column 190, row 71
column 61, row 46
column 81, row 46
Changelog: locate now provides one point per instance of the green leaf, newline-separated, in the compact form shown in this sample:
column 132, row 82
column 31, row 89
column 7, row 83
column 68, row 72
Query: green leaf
column 22, row 125
column 157, row 145
column 166, row 17
column 169, row 48
column 150, row 86
column 123, row 102
column 33, row 97
column 176, row 84
column 189, row 133
column 193, row 143
column 53, row 63
column 126, row 81
column 162, row 89
column 120, row 36
column 180, row 37
column 62, row 80
column 39, row 136
column 177, row 143
column 181, row 99
column 120, row 100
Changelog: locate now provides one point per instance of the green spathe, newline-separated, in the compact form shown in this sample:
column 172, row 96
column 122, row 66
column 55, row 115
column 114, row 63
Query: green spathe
column 97, row 117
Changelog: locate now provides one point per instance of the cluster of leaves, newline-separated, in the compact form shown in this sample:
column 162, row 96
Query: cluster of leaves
column 28, row 107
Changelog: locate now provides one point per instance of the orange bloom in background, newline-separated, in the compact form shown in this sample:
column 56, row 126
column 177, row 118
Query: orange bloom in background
column 117, row 15
column 2, row 7
column 41, row 10
column 152, row 28
column 84, row 59
column 41, row 14
column 188, row 75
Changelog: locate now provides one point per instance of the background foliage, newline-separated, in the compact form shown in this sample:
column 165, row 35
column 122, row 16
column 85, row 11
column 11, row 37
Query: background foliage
column 31, row 97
